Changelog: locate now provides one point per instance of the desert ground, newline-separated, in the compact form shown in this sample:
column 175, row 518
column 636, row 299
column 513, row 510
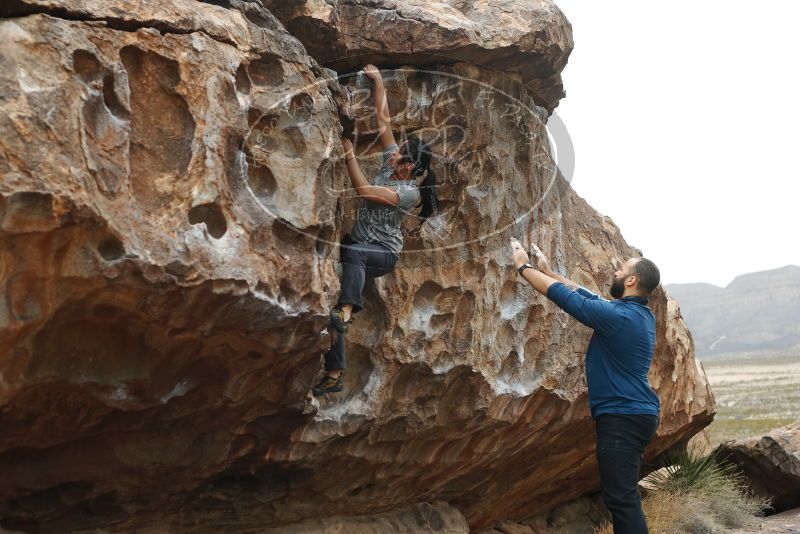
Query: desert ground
column 754, row 392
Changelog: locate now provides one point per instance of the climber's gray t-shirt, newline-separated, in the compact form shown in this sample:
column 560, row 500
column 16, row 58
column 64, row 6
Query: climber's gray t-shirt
column 380, row 223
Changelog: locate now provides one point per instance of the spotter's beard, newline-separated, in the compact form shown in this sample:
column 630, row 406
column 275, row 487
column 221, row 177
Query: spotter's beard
column 617, row 288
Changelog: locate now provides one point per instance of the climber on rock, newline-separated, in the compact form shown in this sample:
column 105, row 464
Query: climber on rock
column 371, row 249
column 624, row 406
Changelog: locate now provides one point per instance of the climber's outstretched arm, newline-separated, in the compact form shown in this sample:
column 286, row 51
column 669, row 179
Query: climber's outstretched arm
column 381, row 106
column 543, row 264
column 373, row 193
column 583, row 305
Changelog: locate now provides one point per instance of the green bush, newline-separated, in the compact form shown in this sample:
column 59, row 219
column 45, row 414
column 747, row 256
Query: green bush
column 685, row 471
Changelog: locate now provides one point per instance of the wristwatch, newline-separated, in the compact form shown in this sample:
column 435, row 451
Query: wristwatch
column 523, row 267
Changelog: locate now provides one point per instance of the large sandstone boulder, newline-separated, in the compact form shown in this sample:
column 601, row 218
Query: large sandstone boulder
column 770, row 464
column 531, row 38
column 170, row 203
column 437, row 517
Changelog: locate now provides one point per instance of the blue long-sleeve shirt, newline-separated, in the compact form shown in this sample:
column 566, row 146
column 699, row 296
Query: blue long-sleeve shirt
column 620, row 351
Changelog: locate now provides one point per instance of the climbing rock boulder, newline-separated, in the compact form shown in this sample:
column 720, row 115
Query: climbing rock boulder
column 171, row 199
column 156, row 299
column 435, row 517
column 529, row 38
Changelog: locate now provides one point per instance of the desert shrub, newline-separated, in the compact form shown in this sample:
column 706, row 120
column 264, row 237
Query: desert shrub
column 695, row 494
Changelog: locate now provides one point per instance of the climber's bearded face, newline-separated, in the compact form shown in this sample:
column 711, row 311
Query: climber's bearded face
column 623, row 276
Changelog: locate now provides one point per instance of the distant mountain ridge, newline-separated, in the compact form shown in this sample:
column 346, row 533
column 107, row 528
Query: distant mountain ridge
column 756, row 312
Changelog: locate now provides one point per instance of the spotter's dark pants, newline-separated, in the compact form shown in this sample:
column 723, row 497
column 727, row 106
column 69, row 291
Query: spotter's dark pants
column 621, row 440
column 359, row 261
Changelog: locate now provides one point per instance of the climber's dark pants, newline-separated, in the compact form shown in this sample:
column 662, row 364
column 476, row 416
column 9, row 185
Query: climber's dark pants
column 359, row 260
column 621, row 440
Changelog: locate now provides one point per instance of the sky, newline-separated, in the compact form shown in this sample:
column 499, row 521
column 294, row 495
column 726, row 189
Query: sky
column 685, row 120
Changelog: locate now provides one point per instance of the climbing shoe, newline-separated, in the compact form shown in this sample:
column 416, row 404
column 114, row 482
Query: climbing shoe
column 328, row 384
column 337, row 320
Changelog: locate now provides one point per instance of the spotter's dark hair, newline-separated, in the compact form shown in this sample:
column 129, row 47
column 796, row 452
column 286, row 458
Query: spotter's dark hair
column 648, row 275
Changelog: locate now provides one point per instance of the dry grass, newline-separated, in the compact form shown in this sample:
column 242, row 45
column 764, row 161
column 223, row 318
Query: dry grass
column 686, row 513
column 695, row 495
column 663, row 514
